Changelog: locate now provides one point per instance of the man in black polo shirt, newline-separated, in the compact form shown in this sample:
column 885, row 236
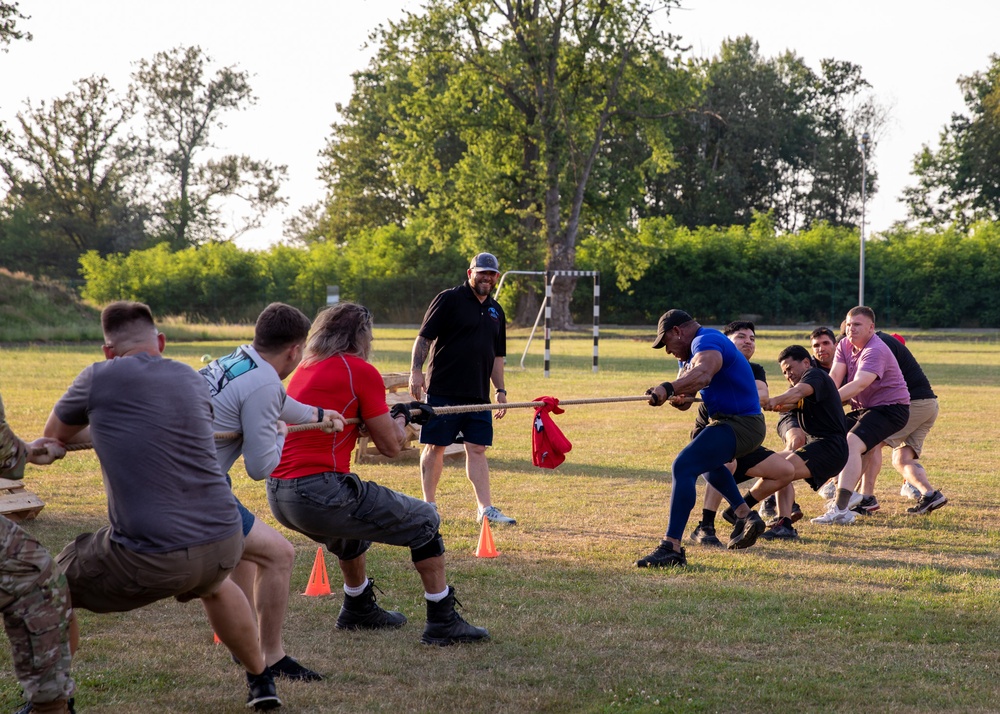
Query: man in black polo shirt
column 908, row 442
column 464, row 332
column 814, row 398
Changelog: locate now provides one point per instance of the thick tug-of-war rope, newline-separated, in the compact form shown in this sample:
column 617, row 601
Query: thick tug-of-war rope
column 328, row 426
column 463, row 408
column 338, row 425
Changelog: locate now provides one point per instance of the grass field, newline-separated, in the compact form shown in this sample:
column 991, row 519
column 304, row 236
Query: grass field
column 896, row 613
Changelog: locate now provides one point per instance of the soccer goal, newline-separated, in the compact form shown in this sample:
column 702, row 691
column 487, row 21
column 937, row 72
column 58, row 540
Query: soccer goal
column 546, row 308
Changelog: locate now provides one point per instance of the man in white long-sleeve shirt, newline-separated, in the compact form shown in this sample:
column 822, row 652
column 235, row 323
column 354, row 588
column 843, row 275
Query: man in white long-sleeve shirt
column 248, row 398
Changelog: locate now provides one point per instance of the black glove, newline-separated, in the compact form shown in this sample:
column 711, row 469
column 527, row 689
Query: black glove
column 656, row 401
column 420, row 413
column 402, row 410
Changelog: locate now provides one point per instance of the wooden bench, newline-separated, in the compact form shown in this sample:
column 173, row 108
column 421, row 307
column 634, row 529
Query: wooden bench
column 16, row 503
column 396, row 385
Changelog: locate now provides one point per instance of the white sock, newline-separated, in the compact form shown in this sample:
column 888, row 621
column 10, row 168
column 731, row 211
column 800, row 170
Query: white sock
column 354, row 592
column 437, row 597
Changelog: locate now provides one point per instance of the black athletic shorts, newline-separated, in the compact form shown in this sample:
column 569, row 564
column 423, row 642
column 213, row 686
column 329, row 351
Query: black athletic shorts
column 876, row 424
column 787, row 420
column 748, row 461
column 824, row 458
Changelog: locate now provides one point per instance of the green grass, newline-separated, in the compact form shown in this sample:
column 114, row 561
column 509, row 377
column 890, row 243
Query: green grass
column 895, row 612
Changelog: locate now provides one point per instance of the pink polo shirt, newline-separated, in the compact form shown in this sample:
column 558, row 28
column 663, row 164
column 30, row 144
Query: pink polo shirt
column 875, row 358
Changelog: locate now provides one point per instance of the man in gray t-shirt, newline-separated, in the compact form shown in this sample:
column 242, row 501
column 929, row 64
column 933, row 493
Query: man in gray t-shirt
column 174, row 530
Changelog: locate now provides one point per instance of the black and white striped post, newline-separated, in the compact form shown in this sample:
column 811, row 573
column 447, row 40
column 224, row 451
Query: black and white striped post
column 550, row 276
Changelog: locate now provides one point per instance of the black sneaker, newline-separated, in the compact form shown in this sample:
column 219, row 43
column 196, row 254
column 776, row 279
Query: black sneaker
column 705, row 535
column 746, row 531
column 262, row 695
column 867, row 506
column 663, row 557
column 729, row 516
column 363, row 613
column 931, row 502
column 290, row 669
column 796, row 514
column 781, row 531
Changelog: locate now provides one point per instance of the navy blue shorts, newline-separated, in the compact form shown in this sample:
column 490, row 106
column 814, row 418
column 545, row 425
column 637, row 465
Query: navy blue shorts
column 245, row 516
column 445, row 429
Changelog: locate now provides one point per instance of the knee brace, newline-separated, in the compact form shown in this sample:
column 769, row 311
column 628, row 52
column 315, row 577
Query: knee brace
column 431, row 549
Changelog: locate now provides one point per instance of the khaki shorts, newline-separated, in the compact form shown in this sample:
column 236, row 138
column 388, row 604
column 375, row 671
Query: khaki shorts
column 923, row 414
column 105, row 576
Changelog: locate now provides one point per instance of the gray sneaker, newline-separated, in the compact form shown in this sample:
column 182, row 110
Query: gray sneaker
column 769, row 508
column 931, row 502
column 495, row 516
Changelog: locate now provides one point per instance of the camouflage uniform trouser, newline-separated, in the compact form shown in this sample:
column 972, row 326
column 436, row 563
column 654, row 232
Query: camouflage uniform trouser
column 35, row 602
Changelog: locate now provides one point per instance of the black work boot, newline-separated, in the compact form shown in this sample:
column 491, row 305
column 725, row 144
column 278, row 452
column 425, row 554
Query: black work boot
column 363, row 613
column 446, row 627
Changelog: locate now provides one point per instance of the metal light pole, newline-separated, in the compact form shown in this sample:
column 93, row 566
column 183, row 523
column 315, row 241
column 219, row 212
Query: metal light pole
column 863, row 148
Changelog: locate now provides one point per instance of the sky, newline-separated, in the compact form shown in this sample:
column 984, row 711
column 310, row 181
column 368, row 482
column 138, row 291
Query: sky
column 301, row 54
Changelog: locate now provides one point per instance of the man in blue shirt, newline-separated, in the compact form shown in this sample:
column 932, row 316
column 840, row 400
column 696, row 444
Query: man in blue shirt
column 712, row 365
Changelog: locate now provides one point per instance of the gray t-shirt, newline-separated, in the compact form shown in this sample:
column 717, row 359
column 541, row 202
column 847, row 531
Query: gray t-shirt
column 151, row 425
column 248, row 398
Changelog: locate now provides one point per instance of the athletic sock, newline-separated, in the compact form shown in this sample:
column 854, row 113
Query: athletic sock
column 751, row 501
column 437, row 597
column 354, row 592
column 843, row 498
column 707, row 518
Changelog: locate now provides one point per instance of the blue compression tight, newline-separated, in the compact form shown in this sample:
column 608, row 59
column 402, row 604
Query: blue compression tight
column 708, row 453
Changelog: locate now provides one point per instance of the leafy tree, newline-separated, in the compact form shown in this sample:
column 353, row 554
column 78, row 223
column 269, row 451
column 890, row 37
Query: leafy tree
column 181, row 104
column 768, row 135
column 959, row 182
column 504, row 124
column 844, row 110
column 72, row 172
column 9, row 15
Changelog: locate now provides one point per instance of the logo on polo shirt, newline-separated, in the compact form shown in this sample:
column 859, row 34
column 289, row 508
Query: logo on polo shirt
column 494, row 314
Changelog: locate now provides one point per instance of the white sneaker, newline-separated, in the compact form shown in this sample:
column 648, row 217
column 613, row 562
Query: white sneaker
column 495, row 516
column 909, row 491
column 835, row 516
column 828, row 490
column 856, row 498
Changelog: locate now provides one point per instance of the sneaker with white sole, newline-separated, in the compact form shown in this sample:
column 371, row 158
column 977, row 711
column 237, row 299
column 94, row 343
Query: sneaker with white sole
column 828, row 490
column 496, row 517
column 931, row 502
column 769, row 508
column 261, row 695
column 835, row 516
column 909, row 491
column 866, row 506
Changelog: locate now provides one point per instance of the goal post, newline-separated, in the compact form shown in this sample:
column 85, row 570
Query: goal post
column 546, row 308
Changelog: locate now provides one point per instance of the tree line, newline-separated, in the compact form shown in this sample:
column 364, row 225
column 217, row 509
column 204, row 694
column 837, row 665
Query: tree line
column 915, row 277
column 555, row 134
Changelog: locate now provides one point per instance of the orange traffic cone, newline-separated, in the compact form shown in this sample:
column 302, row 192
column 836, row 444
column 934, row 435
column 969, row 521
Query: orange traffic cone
column 216, row 639
column 319, row 583
column 486, row 548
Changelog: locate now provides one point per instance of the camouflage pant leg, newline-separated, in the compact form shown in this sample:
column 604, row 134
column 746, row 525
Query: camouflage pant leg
column 34, row 599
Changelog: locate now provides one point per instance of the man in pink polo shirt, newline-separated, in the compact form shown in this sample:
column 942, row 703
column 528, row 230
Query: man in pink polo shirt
column 868, row 376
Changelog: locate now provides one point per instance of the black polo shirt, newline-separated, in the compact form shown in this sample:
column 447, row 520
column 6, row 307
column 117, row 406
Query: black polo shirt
column 917, row 383
column 468, row 336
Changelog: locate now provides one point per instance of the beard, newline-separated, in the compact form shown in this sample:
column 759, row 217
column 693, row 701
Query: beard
column 482, row 289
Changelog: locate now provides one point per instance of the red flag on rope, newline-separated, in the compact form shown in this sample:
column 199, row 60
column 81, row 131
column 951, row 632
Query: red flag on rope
column 548, row 444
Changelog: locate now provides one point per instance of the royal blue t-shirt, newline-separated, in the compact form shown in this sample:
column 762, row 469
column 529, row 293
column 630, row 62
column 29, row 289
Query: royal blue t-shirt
column 732, row 390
